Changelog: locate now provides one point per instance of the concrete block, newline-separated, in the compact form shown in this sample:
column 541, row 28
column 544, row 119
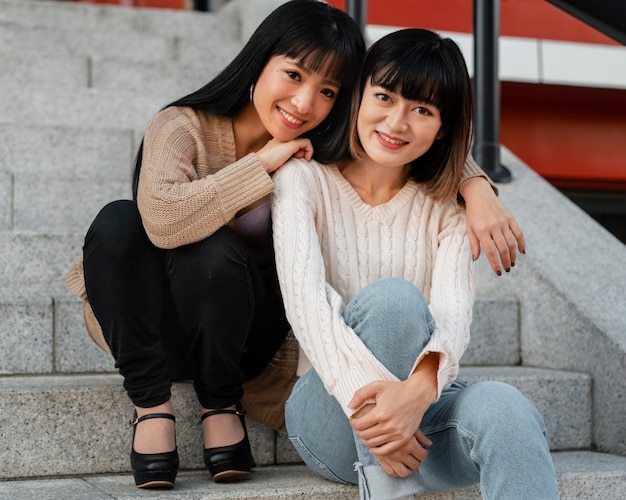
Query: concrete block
column 69, row 16
column 494, row 333
column 570, row 285
column 579, row 474
column 26, row 336
column 74, row 349
column 250, row 14
column 81, row 108
column 214, row 55
column 215, row 29
column 585, row 474
column 285, row 452
column 66, row 151
column 70, row 425
column 63, row 205
column 266, row 482
column 169, row 78
column 117, row 19
column 36, row 264
column 66, row 488
column 563, row 399
column 131, row 46
column 285, row 482
column 6, row 200
column 33, row 69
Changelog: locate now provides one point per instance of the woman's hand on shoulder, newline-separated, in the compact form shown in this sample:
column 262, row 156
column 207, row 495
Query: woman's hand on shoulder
column 275, row 153
column 490, row 225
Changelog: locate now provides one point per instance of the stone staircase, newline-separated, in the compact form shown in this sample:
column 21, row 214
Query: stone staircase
column 78, row 85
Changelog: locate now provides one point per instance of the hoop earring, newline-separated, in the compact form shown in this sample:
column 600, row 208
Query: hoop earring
column 251, row 92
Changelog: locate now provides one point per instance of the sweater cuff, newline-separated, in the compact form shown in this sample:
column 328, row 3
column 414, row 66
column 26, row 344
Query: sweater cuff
column 472, row 169
column 234, row 193
column 448, row 368
column 357, row 378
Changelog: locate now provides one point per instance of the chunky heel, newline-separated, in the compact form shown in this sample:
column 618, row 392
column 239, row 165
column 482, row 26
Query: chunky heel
column 153, row 470
column 226, row 463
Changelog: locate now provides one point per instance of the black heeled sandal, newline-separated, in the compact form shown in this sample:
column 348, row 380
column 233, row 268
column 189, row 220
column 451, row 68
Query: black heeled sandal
column 153, row 470
column 233, row 461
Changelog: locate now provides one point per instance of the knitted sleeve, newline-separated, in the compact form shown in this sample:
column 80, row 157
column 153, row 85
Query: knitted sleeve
column 472, row 169
column 189, row 185
column 451, row 296
column 313, row 307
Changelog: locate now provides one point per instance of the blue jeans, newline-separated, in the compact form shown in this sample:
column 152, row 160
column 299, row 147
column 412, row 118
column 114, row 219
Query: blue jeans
column 487, row 432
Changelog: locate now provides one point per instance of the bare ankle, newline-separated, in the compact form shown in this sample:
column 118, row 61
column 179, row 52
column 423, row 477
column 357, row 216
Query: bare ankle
column 221, row 429
column 155, row 435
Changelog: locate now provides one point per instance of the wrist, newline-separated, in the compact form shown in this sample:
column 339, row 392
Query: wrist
column 424, row 377
column 471, row 184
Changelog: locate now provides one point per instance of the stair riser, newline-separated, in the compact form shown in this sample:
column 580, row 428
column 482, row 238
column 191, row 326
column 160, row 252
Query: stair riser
column 66, row 415
column 65, row 346
column 78, row 19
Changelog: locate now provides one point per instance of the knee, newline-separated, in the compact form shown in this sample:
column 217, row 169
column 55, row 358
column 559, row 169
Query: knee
column 215, row 257
column 397, row 298
column 503, row 409
column 116, row 230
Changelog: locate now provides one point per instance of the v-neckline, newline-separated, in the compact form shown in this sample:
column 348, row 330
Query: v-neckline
column 376, row 212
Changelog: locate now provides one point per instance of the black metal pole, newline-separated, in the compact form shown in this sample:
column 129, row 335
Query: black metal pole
column 487, row 90
column 201, row 5
column 357, row 9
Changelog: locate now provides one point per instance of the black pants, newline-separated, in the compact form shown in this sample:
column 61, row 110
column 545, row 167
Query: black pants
column 204, row 312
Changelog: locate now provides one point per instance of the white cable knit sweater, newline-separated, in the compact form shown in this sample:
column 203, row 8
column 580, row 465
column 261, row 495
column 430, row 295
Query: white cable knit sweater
column 330, row 244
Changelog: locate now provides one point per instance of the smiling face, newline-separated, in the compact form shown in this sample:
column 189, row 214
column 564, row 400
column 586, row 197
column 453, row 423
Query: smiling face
column 394, row 131
column 290, row 99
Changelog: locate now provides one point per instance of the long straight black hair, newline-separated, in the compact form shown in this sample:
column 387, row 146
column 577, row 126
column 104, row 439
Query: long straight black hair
column 422, row 66
column 321, row 37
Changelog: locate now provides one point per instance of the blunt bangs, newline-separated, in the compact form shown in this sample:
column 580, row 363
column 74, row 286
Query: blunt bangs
column 331, row 60
column 420, row 72
column 325, row 44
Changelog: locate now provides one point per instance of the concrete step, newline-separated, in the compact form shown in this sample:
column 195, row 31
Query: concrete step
column 36, row 264
column 130, row 45
column 562, row 397
column 581, row 475
column 171, row 77
column 63, row 346
column 141, row 35
column 161, row 77
column 86, row 108
column 63, row 204
column 50, row 422
column 71, row 17
column 75, row 152
column 35, row 69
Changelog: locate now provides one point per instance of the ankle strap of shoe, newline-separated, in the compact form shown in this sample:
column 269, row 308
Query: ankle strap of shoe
column 239, row 411
column 136, row 419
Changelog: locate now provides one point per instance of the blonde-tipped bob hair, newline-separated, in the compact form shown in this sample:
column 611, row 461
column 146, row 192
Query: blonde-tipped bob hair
column 420, row 65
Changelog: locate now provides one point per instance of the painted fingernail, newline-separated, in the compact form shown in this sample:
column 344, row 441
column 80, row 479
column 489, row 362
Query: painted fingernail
column 498, row 272
column 508, row 269
column 512, row 264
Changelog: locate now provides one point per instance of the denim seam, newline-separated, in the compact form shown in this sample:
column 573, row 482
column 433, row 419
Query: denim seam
column 463, row 432
column 299, row 445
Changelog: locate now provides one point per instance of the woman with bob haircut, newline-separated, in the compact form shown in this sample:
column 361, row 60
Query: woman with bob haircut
column 180, row 282
column 377, row 277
